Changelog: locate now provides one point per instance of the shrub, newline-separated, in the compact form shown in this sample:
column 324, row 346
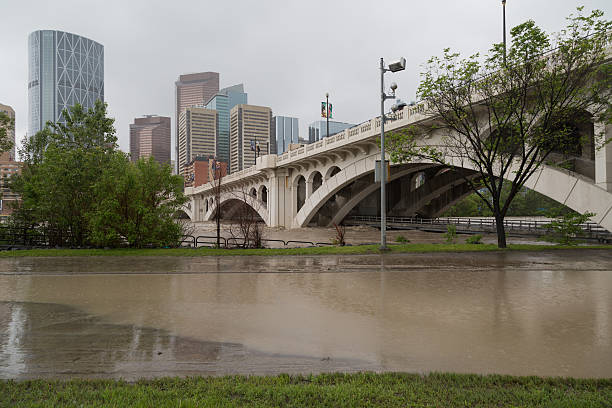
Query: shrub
column 474, row 239
column 402, row 239
column 566, row 228
column 340, row 233
column 451, row 233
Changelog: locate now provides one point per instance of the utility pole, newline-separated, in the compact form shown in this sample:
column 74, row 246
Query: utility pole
column 504, row 12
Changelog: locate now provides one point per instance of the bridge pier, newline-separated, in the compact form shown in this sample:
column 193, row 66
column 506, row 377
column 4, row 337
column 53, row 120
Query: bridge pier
column 279, row 195
column 603, row 158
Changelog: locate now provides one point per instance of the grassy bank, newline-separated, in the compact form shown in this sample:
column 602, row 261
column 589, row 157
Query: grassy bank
column 328, row 250
column 326, row 390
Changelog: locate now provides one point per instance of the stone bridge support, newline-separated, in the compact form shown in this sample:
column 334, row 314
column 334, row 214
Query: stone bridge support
column 603, row 158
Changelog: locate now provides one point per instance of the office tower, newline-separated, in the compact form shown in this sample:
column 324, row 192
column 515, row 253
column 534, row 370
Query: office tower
column 63, row 69
column 150, row 136
column 9, row 155
column 318, row 130
column 193, row 90
column 249, row 125
column 197, row 135
column 8, row 168
column 223, row 102
column 200, row 171
column 285, row 130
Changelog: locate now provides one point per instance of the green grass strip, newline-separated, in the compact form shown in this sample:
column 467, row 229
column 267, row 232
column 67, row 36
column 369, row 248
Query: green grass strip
column 325, row 390
column 329, row 250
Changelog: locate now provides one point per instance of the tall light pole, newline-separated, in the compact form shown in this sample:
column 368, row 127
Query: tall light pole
column 504, row 12
column 393, row 67
column 327, row 111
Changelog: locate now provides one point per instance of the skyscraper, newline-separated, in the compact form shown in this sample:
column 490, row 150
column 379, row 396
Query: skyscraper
column 197, row 135
column 10, row 155
column 249, row 124
column 318, row 130
column 223, row 102
column 63, row 69
column 192, row 90
column 285, row 130
column 150, row 136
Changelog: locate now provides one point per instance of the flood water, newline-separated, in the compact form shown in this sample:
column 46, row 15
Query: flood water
column 515, row 313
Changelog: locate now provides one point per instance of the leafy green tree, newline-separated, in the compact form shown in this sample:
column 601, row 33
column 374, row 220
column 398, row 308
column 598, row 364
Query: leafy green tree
column 525, row 203
column 135, row 204
column 62, row 164
column 567, row 227
column 6, row 124
column 83, row 191
column 503, row 120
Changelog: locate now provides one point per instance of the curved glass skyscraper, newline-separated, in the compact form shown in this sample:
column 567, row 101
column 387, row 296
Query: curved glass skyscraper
column 63, row 69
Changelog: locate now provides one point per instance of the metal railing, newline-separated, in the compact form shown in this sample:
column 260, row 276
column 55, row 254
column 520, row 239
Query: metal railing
column 482, row 224
column 236, row 242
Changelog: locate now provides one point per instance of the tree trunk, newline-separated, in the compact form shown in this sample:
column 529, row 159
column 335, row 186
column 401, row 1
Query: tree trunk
column 218, row 219
column 501, row 231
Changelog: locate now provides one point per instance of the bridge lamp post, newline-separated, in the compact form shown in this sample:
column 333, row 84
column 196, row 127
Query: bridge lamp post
column 395, row 66
column 327, row 111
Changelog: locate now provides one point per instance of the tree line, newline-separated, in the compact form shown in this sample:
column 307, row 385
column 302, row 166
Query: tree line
column 81, row 190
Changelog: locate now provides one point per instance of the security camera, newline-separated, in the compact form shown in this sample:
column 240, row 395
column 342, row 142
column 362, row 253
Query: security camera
column 398, row 65
column 393, row 86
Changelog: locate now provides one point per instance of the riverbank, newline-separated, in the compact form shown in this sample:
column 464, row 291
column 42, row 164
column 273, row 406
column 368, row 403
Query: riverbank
column 337, row 390
column 326, row 250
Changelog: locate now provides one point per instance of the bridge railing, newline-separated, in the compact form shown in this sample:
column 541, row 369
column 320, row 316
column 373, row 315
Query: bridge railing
column 484, row 223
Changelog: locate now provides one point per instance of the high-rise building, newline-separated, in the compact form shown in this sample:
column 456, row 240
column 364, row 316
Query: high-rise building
column 10, row 155
column 197, row 135
column 286, row 132
column 63, row 69
column 318, row 130
column 223, row 102
column 150, row 136
column 193, row 90
column 250, row 125
column 8, row 197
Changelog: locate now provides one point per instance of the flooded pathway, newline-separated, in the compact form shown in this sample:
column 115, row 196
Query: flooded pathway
column 517, row 313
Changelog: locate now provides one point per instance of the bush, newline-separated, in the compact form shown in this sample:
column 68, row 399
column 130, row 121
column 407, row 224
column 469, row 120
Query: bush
column 451, row 233
column 401, row 239
column 474, row 239
column 340, row 233
column 566, row 228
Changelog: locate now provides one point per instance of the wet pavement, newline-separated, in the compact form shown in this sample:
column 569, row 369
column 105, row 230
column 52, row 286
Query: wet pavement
column 547, row 313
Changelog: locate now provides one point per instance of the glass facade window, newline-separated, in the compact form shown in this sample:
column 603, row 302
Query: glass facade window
column 223, row 102
column 63, row 69
column 286, row 131
column 318, row 130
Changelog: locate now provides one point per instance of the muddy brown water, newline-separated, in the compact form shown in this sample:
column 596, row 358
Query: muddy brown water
column 520, row 313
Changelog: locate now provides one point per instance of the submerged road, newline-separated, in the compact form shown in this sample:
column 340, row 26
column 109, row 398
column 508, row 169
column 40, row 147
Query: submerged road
column 521, row 313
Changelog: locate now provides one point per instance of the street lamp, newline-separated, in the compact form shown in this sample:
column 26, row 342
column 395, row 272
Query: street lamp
column 395, row 66
column 327, row 111
column 504, row 11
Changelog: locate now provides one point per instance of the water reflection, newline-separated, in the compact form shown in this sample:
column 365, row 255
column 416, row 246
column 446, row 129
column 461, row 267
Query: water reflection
column 515, row 313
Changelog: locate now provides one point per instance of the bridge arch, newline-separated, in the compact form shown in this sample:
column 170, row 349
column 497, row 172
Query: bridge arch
column 230, row 203
column 568, row 188
column 331, row 172
column 315, row 180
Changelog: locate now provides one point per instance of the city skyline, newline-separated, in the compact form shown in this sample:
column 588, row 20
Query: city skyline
column 292, row 82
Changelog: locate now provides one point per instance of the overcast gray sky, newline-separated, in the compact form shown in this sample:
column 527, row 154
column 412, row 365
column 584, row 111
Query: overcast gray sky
column 288, row 53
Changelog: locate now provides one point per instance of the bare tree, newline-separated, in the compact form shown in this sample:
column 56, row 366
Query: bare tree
column 247, row 230
column 504, row 118
column 217, row 181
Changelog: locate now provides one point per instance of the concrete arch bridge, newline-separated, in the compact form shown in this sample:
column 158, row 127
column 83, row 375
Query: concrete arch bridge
column 324, row 182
